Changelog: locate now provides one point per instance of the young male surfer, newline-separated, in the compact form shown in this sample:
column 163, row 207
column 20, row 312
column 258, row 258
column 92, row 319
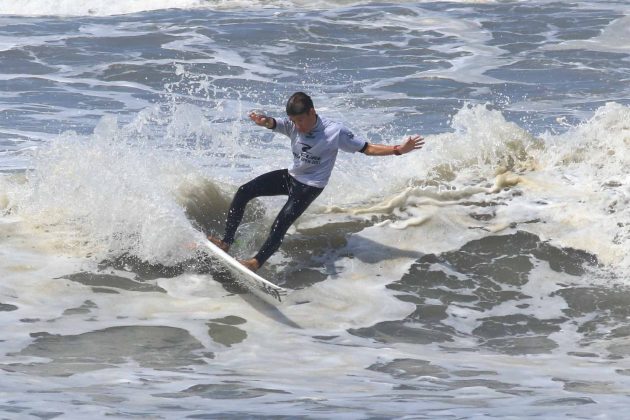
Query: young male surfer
column 315, row 142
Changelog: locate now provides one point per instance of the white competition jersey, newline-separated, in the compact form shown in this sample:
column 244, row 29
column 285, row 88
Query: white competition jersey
column 314, row 153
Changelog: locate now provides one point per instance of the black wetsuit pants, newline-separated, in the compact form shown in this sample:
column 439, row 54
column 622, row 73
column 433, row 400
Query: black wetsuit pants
column 272, row 183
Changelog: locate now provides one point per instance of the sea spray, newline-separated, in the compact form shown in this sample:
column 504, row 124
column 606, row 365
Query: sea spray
column 490, row 175
column 114, row 196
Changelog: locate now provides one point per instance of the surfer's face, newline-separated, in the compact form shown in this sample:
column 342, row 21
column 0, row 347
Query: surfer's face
column 305, row 122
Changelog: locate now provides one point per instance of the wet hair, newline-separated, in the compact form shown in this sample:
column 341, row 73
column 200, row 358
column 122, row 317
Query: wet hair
column 299, row 103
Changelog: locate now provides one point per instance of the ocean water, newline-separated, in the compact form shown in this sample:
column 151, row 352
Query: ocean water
column 484, row 276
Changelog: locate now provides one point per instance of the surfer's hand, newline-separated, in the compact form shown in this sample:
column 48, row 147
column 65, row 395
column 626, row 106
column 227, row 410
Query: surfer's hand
column 411, row 143
column 261, row 120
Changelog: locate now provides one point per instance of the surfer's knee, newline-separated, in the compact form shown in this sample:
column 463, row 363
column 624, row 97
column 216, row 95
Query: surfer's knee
column 246, row 191
column 279, row 228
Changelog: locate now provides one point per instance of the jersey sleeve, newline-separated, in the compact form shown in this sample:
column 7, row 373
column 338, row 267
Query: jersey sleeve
column 283, row 126
column 349, row 142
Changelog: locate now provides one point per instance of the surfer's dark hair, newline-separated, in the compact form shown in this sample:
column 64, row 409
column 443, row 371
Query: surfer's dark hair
column 299, row 103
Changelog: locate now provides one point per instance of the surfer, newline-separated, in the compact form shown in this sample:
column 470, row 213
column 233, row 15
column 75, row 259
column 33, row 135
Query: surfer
column 315, row 142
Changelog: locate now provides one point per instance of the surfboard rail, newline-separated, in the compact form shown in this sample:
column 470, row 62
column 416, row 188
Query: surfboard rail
column 244, row 276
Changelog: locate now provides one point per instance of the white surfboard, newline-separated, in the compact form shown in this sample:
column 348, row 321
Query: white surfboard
column 244, row 276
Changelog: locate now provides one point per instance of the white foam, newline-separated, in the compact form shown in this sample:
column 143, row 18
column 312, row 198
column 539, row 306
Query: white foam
column 121, row 7
column 117, row 197
column 575, row 184
column 355, row 297
column 613, row 39
column 92, row 7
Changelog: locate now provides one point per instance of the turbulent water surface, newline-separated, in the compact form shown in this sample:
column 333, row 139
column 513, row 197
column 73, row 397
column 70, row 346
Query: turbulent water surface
column 484, row 276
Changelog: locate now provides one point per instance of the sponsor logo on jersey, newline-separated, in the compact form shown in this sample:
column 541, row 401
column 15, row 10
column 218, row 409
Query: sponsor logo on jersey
column 306, row 157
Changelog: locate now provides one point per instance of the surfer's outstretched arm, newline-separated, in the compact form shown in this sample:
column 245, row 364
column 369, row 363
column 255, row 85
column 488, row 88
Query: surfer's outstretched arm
column 409, row 145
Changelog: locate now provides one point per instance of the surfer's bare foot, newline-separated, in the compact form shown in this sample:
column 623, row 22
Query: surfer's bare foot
column 219, row 243
column 251, row 264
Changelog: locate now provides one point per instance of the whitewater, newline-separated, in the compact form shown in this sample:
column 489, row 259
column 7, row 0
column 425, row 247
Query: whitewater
column 484, row 276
